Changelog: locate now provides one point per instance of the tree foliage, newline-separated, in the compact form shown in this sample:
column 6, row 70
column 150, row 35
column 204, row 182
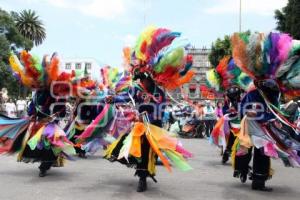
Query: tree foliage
column 10, row 40
column 288, row 18
column 221, row 48
column 30, row 26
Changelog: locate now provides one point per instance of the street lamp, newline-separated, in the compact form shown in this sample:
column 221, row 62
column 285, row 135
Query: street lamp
column 240, row 18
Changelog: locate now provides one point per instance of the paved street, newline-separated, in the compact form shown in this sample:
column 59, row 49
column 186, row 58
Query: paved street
column 95, row 178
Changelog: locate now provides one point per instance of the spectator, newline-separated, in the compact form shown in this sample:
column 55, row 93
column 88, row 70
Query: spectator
column 10, row 108
column 199, row 110
column 21, row 107
column 219, row 110
column 209, row 118
column 168, row 118
column 3, row 99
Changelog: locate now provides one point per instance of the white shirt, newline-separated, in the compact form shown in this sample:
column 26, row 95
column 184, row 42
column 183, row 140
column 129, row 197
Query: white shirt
column 21, row 105
column 10, row 109
column 209, row 112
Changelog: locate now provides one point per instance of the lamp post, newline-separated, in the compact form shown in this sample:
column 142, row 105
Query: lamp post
column 240, row 17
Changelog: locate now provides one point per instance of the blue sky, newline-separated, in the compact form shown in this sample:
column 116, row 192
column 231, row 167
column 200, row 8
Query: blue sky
column 101, row 28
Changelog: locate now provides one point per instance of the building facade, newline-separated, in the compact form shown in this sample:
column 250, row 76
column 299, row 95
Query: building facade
column 201, row 65
column 79, row 65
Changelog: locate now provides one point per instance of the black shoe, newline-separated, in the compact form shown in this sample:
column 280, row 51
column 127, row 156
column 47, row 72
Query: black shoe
column 260, row 186
column 236, row 174
column 42, row 173
column 243, row 178
column 225, row 157
column 82, row 155
column 142, row 185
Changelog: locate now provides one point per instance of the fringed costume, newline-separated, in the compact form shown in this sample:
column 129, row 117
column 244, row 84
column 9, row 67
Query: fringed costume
column 229, row 79
column 158, row 61
column 273, row 62
column 38, row 138
column 84, row 112
column 106, row 122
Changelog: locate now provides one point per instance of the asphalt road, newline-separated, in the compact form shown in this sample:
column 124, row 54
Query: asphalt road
column 96, row 178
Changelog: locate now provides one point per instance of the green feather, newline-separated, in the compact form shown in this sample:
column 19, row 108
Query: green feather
column 178, row 160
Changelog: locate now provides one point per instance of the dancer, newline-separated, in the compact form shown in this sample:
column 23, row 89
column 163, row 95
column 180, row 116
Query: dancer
column 273, row 62
column 38, row 138
column 158, row 61
column 106, row 120
column 229, row 79
column 85, row 110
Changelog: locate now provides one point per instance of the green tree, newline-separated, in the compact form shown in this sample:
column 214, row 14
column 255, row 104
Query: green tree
column 30, row 26
column 221, row 48
column 10, row 40
column 288, row 18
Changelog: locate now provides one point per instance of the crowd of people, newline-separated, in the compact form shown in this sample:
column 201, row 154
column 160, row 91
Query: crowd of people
column 203, row 114
column 14, row 108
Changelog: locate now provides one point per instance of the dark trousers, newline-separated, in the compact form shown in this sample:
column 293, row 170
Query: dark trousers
column 142, row 166
column 230, row 142
column 47, row 160
column 209, row 123
column 261, row 164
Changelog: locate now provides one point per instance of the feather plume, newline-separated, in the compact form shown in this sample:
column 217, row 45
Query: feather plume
column 53, row 69
column 262, row 56
column 162, row 54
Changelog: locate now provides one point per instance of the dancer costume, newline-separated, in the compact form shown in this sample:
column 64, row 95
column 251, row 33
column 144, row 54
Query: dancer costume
column 229, row 79
column 38, row 138
column 85, row 111
column 158, row 61
column 107, row 119
column 273, row 62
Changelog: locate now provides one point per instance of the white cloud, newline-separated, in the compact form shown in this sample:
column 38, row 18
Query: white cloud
column 129, row 40
column 259, row 7
column 104, row 9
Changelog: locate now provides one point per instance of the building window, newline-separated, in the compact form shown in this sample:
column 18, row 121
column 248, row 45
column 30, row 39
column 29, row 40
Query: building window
column 68, row 66
column 88, row 66
column 78, row 66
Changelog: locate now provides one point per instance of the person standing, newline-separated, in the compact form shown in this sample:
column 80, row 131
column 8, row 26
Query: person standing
column 219, row 110
column 209, row 118
column 21, row 107
column 10, row 108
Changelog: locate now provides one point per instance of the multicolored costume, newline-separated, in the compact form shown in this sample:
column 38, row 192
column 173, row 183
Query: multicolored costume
column 273, row 62
column 84, row 112
column 229, row 79
column 104, row 126
column 38, row 137
column 158, row 59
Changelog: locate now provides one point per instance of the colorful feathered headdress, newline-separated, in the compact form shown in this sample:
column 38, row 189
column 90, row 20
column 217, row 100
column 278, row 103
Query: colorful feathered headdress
column 36, row 74
column 161, row 53
column 273, row 56
column 227, row 74
column 261, row 56
column 288, row 75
